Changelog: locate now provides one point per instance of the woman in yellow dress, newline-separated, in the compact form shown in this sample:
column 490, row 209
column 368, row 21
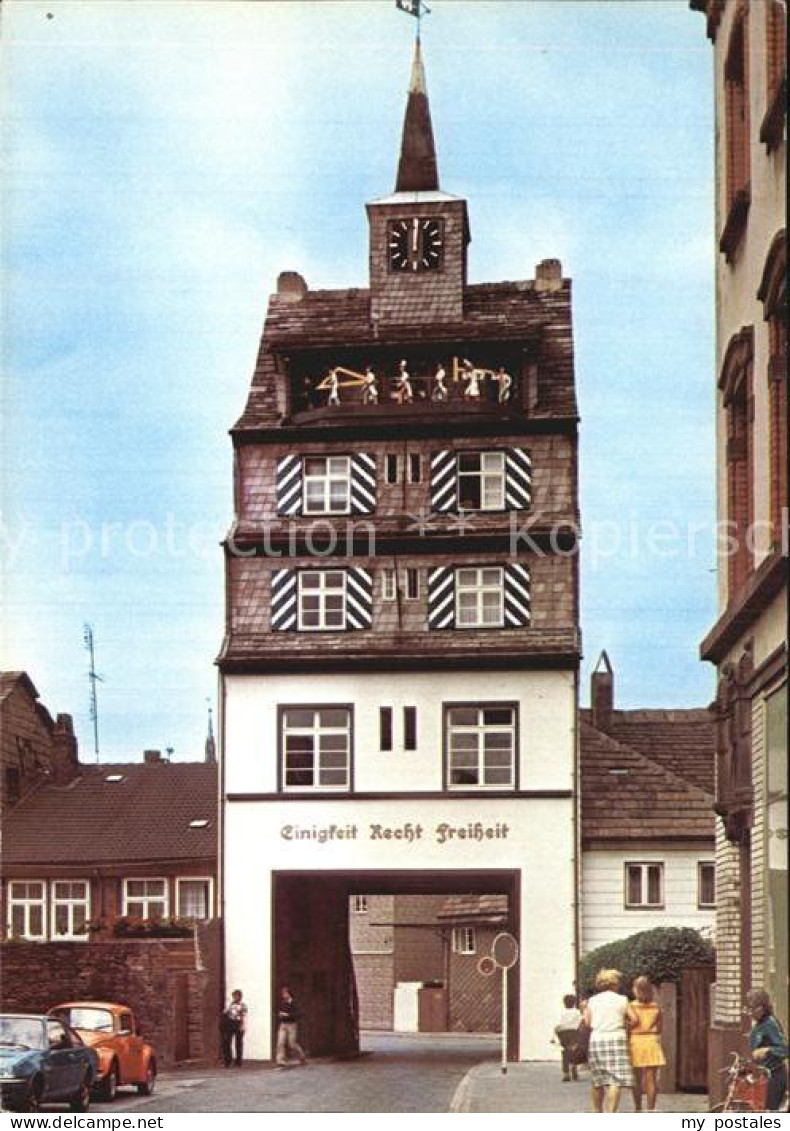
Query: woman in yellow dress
column 644, row 1042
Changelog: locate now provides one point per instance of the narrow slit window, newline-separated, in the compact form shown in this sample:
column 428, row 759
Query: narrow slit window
column 410, row 728
column 385, row 728
column 391, row 468
column 415, row 467
column 412, row 584
column 388, row 585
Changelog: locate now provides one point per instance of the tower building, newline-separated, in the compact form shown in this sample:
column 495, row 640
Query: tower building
column 399, row 669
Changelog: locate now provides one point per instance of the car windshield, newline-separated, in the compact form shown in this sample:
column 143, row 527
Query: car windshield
column 21, row 1032
column 85, row 1017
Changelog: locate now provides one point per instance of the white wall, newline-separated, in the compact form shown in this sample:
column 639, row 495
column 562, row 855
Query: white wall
column 604, row 917
column 538, row 843
column 546, row 714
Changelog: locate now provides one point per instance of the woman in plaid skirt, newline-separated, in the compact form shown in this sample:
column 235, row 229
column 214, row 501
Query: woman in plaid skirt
column 607, row 1014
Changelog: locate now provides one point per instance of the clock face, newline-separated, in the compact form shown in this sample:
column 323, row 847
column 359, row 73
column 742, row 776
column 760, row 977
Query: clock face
column 415, row 244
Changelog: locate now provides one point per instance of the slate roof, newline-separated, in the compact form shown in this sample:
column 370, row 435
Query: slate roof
column 501, row 312
column 143, row 817
column 475, row 908
column 627, row 796
column 682, row 741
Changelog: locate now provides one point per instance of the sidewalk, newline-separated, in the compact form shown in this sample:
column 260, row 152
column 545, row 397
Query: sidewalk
column 537, row 1087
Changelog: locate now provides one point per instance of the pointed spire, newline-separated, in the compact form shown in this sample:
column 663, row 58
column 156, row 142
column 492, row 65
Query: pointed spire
column 417, row 169
column 211, row 746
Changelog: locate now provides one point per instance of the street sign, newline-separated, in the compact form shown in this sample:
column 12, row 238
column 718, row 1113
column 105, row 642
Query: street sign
column 504, row 950
column 486, row 965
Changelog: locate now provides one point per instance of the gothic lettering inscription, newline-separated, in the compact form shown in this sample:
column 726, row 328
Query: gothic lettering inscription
column 409, row 832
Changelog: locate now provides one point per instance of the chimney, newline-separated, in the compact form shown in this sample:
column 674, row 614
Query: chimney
column 602, row 693
column 548, row 275
column 65, row 761
column 291, row 286
column 151, row 757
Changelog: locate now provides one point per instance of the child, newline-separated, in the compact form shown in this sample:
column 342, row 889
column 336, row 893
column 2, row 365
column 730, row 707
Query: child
column 644, row 1042
column 567, row 1029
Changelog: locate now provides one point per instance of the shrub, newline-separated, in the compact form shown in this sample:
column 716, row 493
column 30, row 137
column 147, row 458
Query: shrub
column 173, row 928
column 660, row 954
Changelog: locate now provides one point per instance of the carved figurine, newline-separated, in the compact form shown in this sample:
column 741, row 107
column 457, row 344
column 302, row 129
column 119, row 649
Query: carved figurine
column 403, row 391
column 472, row 378
column 334, row 388
column 370, row 387
column 439, row 390
column 505, row 385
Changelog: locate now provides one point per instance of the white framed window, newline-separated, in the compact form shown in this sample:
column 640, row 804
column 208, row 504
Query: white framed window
column 194, row 897
column 464, row 941
column 412, row 584
column 706, row 884
column 145, row 898
column 481, row 481
column 479, row 598
column 27, row 909
column 359, row 904
column 322, row 600
column 316, row 747
column 70, row 903
column 326, row 484
column 388, row 584
column 644, row 885
column 481, row 747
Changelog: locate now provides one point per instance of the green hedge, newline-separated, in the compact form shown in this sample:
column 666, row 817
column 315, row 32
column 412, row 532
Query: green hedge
column 660, row 954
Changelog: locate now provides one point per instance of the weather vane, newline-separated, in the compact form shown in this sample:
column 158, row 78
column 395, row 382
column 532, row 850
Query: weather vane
column 416, row 8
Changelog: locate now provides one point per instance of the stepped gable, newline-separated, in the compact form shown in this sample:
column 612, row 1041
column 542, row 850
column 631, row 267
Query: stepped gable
column 643, row 801
column 143, row 817
column 682, row 741
column 504, row 311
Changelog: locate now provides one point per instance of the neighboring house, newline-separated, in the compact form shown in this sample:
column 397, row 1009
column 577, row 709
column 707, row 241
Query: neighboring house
column 34, row 747
column 416, row 961
column 647, row 821
column 748, row 642
column 399, row 668
column 117, row 839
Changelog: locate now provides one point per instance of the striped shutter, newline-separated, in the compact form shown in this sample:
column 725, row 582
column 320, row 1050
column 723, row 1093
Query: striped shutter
column 517, row 600
column 289, row 486
column 444, row 481
column 441, row 597
column 359, row 598
column 363, row 484
column 284, row 600
column 518, row 479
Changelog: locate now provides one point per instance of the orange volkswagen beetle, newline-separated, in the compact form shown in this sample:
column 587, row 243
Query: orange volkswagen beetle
column 111, row 1031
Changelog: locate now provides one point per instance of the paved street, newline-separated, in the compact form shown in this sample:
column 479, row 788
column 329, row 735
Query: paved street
column 398, row 1073
column 409, row 1073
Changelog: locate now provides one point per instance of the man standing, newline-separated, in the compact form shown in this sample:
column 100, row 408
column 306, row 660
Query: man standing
column 234, row 1023
column 288, row 1017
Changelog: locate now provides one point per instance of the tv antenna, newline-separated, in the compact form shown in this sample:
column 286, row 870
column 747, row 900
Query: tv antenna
column 93, row 679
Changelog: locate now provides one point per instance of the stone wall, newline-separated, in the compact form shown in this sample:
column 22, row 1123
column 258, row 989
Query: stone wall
column 144, row 974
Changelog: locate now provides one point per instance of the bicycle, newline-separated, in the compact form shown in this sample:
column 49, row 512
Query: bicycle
column 747, row 1085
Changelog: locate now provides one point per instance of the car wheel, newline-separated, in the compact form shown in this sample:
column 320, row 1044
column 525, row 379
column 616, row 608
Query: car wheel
column 147, row 1086
column 107, row 1088
column 81, row 1100
column 32, row 1100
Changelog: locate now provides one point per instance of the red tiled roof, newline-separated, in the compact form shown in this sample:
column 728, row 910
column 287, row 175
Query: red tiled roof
column 143, row 817
column 682, row 741
column 626, row 796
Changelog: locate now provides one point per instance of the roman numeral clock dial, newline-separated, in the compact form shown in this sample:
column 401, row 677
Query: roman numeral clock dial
column 415, row 244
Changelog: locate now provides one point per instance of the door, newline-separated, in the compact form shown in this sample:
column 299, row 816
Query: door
column 432, row 1009
column 181, row 1016
column 64, row 1062
column 693, row 1018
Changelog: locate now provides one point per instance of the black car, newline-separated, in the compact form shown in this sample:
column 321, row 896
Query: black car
column 43, row 1061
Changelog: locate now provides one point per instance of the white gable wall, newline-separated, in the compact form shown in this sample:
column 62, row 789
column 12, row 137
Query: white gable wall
column 605, row 918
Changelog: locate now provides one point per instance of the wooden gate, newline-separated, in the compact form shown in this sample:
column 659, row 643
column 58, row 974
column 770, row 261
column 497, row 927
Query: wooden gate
column 432, row 1009
column 693, row 1021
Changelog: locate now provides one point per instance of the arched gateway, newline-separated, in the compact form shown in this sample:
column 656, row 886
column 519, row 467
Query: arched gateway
column 399, row 671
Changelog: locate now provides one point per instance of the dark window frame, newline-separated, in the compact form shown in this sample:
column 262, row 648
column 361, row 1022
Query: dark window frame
column 385, row 729
column 410, row 728
column 702, row 904
column 293, row 791
column 497, row 704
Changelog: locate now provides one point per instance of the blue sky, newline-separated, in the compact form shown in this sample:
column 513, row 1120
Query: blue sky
column 167, row 160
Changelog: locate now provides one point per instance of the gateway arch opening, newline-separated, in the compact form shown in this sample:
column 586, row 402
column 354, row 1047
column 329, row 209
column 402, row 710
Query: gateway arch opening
column 371, row 953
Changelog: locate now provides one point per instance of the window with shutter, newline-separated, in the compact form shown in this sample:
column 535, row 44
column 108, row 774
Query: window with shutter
column 481, row 481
